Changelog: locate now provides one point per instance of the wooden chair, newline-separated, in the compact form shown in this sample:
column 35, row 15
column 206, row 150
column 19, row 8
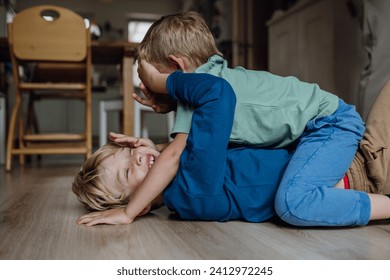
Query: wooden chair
column 54, row 44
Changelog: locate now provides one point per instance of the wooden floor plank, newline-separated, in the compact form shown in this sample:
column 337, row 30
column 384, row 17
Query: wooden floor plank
column 38, row 215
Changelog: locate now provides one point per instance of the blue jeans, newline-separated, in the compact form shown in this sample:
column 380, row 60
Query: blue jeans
column 306, row 196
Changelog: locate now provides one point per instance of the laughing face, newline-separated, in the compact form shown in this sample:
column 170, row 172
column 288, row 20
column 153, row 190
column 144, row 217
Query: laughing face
column 126, row 169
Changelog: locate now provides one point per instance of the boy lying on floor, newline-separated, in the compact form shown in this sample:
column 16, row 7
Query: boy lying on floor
column 213, row 181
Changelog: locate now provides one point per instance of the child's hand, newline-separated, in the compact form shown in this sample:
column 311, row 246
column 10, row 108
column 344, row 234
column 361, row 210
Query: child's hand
column 147, row 72
column 130, row 141
column 151, row 77
column 159, row 102
column 115, row 216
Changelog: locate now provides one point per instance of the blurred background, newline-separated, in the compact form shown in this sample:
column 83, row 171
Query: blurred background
column 339, row 44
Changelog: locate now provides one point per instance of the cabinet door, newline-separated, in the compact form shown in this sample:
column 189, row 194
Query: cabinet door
column 283, row 48
column 316, row 44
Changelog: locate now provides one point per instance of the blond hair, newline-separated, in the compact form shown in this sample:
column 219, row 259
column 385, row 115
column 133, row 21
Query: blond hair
column 89, row 185
column 184, row 34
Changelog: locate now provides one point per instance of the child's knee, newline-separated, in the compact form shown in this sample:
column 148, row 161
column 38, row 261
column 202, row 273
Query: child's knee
column 292, row 205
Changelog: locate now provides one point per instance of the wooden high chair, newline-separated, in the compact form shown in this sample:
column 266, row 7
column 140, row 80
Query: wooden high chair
column 54, row 44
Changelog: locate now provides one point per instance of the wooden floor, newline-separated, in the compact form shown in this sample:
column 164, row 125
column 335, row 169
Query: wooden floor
column 38, row 215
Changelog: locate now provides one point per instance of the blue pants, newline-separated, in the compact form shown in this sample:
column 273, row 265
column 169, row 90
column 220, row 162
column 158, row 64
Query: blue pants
column 306, row 196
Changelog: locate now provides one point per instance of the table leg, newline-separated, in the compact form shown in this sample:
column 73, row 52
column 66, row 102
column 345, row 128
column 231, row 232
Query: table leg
column 128, row 89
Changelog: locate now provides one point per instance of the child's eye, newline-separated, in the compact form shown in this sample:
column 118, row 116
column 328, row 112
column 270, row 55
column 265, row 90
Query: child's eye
column 127, row 174
column 130, row 151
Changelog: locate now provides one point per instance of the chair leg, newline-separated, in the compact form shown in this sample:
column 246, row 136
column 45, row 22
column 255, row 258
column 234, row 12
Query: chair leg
column 102, row 124
column 140, row 125
column 22, row 158
column 104, row 107
column 11, row 133
column 32, row 125
column 88, row 125
column 137, row 120
column 32, row 121
column 144, row 127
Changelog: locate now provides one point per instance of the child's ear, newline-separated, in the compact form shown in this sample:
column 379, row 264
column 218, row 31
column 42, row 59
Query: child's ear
column 145, row 211
column 177, row 62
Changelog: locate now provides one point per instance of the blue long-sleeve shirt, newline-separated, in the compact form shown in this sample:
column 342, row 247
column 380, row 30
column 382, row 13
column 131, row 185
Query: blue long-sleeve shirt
column 215, row 182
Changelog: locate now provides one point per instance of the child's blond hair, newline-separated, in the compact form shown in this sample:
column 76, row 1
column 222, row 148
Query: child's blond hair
column 184, row 34
column 89, row 184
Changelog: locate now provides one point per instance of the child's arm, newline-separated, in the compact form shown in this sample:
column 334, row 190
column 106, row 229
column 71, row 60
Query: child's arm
column 158, row 178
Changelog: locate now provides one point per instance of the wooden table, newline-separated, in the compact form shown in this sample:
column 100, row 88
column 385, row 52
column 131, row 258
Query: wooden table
column 107, row 52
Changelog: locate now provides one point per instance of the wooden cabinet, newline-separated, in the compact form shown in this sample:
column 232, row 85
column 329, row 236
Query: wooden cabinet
column 317, row 41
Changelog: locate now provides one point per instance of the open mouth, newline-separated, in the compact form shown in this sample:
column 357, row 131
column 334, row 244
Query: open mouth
column 151, row 160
